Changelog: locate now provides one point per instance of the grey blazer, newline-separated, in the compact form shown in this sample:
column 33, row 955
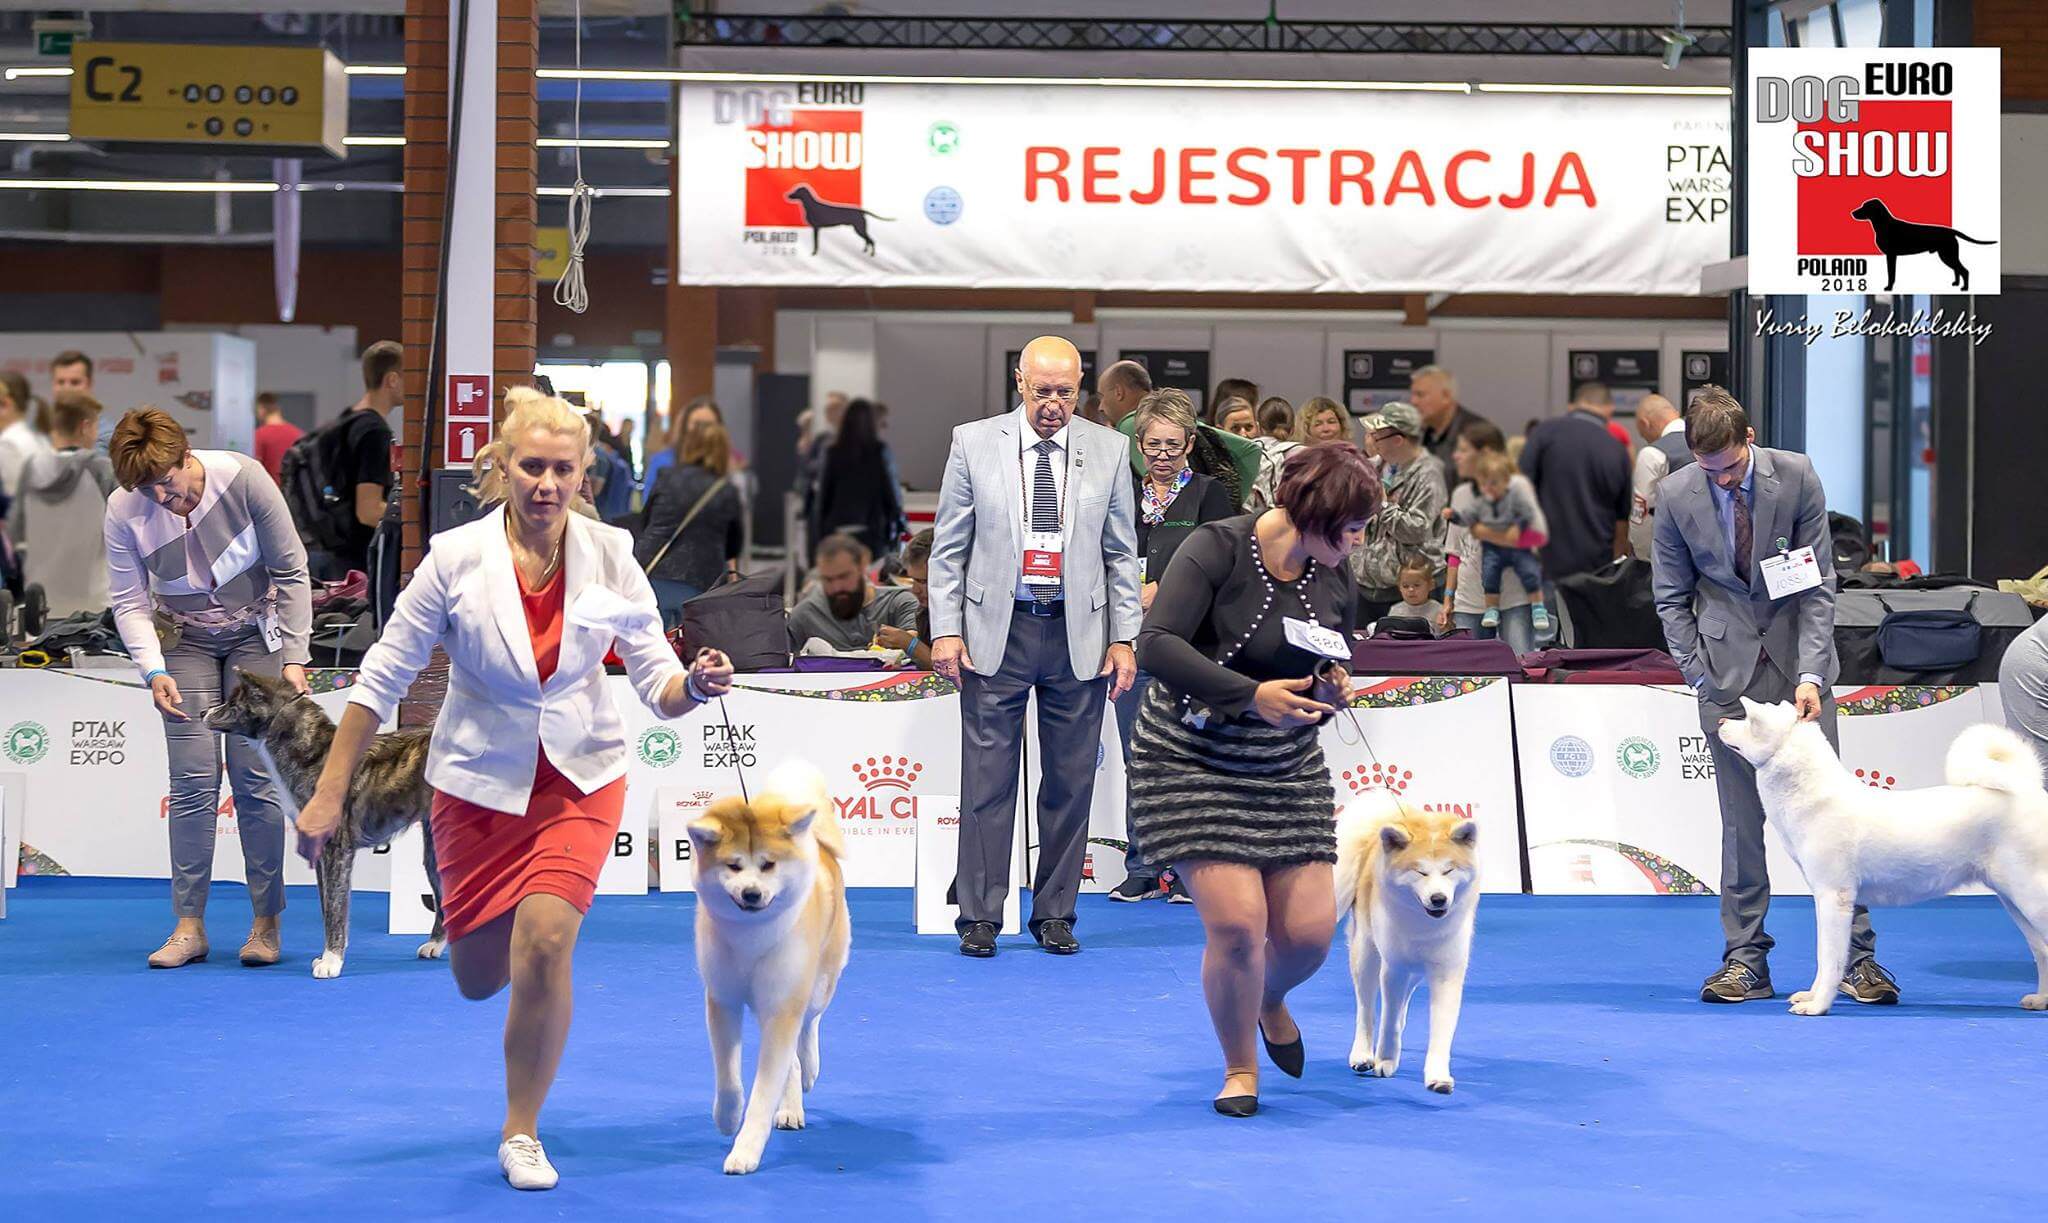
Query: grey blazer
column 1713, row 623
column 978, row 543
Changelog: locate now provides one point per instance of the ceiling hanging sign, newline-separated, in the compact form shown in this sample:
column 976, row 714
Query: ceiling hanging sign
column 1184, row 189
column 1874, row 170
column 237, row 99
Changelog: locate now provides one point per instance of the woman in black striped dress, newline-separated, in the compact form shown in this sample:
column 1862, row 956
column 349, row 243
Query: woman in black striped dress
column 1227, row 779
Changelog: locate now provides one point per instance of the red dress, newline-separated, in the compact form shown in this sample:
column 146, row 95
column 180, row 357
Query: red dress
column 489, row 860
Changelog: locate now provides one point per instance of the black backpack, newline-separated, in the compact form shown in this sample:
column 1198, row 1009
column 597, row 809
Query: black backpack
column 310, row 473
column 743, row 618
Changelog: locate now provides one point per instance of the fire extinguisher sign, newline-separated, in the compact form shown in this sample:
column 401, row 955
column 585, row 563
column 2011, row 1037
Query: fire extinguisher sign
column 470, row 422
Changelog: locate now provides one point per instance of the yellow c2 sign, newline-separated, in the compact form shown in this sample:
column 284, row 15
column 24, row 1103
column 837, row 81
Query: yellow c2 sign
column 259, row 99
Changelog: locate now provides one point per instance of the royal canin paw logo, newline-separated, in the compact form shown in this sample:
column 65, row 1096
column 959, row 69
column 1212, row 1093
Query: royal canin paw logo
column 887, row 772
column 1390, row 777
column 1876, row 779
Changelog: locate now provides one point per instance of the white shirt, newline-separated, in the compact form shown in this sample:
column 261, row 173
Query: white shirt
column 19, row 444
column 1027, row 469
column 1652, row 465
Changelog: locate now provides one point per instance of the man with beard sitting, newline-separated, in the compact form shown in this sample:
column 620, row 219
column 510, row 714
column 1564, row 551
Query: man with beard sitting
column 844, row 609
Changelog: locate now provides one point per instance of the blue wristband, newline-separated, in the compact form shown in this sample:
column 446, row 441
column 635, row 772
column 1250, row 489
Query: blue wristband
column 690, row 688
column 149, row 677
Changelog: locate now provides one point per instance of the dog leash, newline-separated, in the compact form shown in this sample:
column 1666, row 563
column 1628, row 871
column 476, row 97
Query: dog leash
column 732, row 746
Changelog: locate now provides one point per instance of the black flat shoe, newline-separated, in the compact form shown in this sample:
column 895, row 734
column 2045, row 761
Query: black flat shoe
column 1237, row 1106
column 1290, row 1057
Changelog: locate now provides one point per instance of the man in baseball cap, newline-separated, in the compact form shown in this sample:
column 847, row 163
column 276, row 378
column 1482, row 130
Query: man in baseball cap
column 1410, row 525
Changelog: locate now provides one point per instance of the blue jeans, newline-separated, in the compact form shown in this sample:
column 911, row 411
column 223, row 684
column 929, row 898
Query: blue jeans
column 1515, row 628
column 1494, row 558
column 670, row 597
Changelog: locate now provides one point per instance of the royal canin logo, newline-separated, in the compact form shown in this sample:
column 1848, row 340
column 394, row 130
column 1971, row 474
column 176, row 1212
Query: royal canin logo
column 1390, row 777
column 1876, row 779
column 887, row 772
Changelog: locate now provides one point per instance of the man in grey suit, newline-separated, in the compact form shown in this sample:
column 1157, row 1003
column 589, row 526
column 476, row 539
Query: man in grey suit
column 1034, row 588
column 1723, row 524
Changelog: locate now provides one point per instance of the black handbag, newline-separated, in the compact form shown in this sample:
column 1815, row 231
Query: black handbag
column 743, row 618
column 1936, row 639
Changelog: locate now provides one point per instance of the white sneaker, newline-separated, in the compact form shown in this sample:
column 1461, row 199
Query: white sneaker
column 525, row 1164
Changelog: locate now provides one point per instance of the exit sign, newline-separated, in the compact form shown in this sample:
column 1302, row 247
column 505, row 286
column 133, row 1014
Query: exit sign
column 54, row 43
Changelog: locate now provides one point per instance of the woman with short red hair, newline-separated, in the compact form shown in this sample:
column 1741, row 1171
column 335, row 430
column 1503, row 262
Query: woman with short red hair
column 1228, row 780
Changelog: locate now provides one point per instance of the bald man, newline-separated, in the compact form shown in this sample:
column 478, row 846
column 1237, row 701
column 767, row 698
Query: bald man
column 1034, row 589
column 1664, row 451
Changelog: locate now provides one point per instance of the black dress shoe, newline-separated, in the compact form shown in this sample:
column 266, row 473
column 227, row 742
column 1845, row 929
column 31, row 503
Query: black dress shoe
column 1237, row 1106
column 978, row 940
column 1867, row 982
column 1290, row 1057
column 1057, row 937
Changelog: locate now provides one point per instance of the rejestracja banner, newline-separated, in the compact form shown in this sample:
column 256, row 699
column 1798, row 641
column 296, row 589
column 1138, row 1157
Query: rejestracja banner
column 1174, row 188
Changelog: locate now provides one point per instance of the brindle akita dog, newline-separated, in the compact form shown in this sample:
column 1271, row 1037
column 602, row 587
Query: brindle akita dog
column 388, row 792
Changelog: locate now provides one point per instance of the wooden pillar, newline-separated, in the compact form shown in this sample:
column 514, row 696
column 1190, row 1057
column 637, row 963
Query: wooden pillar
column 689, row 317
column 487, row 249
column 511, row 204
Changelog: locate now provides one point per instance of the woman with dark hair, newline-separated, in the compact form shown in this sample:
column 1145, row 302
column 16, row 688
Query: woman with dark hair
column 1228, row 780
column 858, row 494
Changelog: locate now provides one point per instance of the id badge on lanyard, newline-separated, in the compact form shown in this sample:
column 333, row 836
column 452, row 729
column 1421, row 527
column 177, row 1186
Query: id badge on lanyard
column 1043, row 550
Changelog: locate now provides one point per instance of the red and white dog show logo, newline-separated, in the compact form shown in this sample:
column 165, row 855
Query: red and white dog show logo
column 885, row 796
column 1873, row 171
column 802, row 157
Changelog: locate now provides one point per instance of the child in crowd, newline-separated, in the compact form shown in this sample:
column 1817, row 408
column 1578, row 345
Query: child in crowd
column 58, row 513
column 1416, row 582
column 1500, row 506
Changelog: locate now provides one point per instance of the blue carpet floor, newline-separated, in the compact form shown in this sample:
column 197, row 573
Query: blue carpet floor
column 1590, row 1083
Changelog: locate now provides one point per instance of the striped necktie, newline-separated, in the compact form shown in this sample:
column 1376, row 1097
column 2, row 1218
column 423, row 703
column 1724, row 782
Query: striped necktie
column 1045, row 509
column 1745, row 531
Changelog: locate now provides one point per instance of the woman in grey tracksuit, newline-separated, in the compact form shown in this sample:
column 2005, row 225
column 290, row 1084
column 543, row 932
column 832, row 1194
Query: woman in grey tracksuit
column 207, row 575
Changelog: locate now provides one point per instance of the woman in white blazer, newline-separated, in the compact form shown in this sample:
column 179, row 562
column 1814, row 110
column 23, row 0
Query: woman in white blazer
column 528, row 759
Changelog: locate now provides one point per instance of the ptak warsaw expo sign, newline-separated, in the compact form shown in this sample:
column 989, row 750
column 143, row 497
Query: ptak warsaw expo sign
column 1200, row 189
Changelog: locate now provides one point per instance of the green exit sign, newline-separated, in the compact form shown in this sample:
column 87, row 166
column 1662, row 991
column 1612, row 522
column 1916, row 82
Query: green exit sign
column 54, row 43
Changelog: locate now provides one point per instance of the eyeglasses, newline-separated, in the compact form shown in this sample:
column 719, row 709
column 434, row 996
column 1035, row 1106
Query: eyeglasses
column 1054, row 394
column 1162, row 450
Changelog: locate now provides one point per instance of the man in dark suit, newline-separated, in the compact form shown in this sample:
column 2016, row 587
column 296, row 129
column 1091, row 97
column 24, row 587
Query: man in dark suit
column 1724, row 525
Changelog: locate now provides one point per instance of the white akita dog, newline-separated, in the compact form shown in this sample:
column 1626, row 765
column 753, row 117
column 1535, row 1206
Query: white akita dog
column 1410, row 882
column 1857, row 845
column 772, row 937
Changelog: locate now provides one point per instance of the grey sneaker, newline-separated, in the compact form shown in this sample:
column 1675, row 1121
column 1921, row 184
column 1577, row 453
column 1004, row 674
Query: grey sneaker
column 1735, row 983
column 1867, row 982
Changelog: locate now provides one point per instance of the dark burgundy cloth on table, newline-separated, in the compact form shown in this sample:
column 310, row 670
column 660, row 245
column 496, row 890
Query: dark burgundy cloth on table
column 826, row 663
column 1454, row 655
column 1602, row 667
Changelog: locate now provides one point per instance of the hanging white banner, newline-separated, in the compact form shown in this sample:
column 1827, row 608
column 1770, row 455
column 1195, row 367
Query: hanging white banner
column 1120, row 187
